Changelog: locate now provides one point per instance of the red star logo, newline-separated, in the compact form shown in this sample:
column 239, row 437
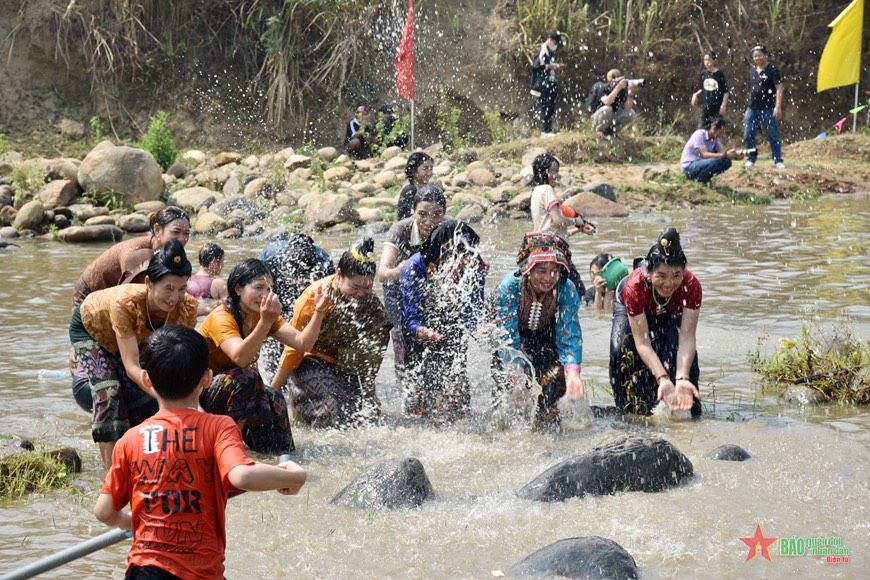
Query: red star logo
column 758, row 543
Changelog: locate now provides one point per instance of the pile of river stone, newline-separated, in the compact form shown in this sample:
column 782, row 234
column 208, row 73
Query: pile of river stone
column 234, row 195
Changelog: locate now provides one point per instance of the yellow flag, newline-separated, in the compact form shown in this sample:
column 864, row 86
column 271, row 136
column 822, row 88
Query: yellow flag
column 840, row 64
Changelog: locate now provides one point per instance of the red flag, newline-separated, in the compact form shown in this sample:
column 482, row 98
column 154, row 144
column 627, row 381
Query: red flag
column 404, row 60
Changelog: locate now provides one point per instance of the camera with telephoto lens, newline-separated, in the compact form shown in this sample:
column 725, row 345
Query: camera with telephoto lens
column 745, row 152
column 631, row 82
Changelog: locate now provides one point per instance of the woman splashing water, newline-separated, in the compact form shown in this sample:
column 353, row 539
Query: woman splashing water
column 536, row 312
column 442, row 298
column 653, row 354
column 235, row 332
column 333, row 383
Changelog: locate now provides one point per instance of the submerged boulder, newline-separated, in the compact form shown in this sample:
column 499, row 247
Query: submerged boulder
column 91, row 234
column 399, row 483
column 591, row 557
column 729, row 453
column 626, row 463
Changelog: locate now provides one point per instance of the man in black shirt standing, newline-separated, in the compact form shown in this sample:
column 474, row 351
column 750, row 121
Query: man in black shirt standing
column 544, row 83
column 611, row 104
column 765, row 106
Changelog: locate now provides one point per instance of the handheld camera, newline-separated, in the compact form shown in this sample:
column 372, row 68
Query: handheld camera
column 632, row 82
column 745, row 152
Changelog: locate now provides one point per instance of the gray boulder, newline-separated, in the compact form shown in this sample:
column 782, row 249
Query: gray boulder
column 29, row 216
column 729, row 453
column 134, row 223
column 329, row 209
column 91, row 234
column 400, row 483
column 6, row 195
column 802, row 395
column 58, row 193
column 61, row 168
column 591, row 558
column 250, row 208
column 128, row 170
column 625, row 463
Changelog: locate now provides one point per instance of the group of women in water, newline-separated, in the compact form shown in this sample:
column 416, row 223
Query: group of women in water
column 333, row 330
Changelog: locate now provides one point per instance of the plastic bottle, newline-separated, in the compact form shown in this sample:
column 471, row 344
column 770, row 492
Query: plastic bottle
column 47, row 374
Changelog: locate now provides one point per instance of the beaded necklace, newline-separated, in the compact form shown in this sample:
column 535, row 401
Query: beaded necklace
column 660, row 306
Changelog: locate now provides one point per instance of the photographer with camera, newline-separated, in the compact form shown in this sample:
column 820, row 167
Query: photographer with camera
column 611, row 103
column 704, row 157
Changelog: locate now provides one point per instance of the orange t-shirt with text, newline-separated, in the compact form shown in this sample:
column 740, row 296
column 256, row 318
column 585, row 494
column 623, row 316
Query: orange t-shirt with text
column 173, row 471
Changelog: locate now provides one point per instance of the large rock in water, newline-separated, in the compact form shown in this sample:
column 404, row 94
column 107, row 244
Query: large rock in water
column 91, row 234
column 128, row 170
column 400, row 483
column 626, row 463
column 591, row 558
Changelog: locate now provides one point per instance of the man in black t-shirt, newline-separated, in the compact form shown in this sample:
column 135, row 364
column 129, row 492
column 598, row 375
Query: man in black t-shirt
column 611, row 104
column 765, row 106
column 543, row 80
column 712, row 91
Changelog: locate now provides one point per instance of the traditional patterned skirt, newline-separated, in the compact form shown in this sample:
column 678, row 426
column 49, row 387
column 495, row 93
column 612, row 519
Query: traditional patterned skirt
column 634, row 386
column 240, row 393
column 118, row 402
column 539, row 346
column 323, row 396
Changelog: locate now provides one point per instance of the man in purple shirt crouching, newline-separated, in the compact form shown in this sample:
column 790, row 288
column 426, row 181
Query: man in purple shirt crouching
column 704, row 156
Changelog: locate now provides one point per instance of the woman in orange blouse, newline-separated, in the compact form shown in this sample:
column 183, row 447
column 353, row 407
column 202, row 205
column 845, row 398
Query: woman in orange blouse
column 106, row 331
column 235, row 331
column 333, row 383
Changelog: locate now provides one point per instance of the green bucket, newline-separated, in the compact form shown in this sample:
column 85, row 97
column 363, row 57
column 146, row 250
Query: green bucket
column 612, row 272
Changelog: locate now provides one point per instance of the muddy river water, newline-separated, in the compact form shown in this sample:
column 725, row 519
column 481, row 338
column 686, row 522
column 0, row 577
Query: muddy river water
column 765, row 272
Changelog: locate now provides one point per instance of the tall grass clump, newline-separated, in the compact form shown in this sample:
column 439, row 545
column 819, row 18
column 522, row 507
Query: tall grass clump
column 836, row 363
column 159, row 142
column 30, row 472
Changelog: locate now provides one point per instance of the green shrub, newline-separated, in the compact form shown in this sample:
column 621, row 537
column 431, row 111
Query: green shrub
column 834, row 362
column 159, row 142
column 4, row 144
column 30, row 472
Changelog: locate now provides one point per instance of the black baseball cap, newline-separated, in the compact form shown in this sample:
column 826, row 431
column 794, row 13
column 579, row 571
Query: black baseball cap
column 557, row 37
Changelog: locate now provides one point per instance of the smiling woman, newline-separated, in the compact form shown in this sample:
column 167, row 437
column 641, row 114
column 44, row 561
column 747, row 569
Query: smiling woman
column 653, row 355
column 536, row 311
column 106, row 331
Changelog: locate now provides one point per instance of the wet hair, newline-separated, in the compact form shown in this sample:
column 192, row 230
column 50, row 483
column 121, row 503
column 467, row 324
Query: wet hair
column 600, row 260
column 430, row 194
column 209, row 253
column 359, row 260
column 169, row 260
column 667, row 251
column 759, row 48
column 711, row 54
column 715, row 123
column 541, row 167
column 242, row 275
column 450, row 235
column 166, row 216
column 414, row 161
column 176, row 358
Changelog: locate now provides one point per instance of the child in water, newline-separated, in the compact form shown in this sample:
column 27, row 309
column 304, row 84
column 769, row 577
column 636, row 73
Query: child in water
column 177, row 514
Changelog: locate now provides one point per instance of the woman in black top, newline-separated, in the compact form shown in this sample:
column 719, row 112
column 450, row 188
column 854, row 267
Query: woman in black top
column 712, row 92
column 418, row 170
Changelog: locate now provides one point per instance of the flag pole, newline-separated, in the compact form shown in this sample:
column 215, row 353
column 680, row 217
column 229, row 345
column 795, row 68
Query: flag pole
column 412, row 119
column 854, row 115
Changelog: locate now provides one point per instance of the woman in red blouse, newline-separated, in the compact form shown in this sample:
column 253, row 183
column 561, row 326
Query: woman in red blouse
column 653, row 355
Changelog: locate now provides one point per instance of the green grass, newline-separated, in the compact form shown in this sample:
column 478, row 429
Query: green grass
column 30, row 472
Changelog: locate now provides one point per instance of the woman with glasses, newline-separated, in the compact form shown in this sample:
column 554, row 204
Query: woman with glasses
column 442, row 300
column 404, row 239
column 332, row 384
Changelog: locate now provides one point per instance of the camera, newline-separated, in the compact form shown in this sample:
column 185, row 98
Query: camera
column 632, row 82
column 745, row 152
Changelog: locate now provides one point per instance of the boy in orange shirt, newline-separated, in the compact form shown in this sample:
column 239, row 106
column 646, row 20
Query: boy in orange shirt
column 177, row 469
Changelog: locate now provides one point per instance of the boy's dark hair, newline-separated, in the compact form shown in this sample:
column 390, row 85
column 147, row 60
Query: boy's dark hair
column 359, row 260
column 175, row 358
column 541, row 167
column 209, row 253
column 432, row 194
column 711, row 54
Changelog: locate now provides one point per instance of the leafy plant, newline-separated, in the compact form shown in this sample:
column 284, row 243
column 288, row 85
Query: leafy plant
column 498, row 129
column 4, row 144
column 383, row 138
column 832, row 361
column 159, row 142
column 26, row 177
column 95, row 128
column 447, row 122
